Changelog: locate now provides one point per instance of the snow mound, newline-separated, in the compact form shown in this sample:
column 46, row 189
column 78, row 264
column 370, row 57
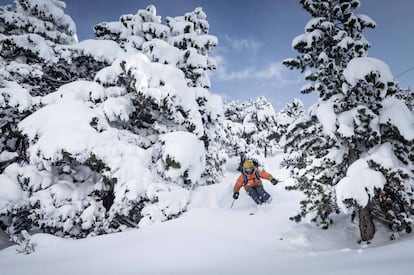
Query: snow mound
column 188, row 154
column 359, row 68
column 358, row 184
column 397, row 113
column 9, row 190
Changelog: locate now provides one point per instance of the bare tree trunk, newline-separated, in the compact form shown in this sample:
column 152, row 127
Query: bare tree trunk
column 366, row 225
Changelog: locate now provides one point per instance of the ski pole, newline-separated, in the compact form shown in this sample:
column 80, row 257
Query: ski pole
column 231, row 206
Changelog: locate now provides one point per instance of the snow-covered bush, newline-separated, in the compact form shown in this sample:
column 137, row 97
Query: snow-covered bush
column 81, row 140
column 31, row 66
column 29, row 35
column 110, row 151
column 25, row 245
column 183, row 43
column 11, row 200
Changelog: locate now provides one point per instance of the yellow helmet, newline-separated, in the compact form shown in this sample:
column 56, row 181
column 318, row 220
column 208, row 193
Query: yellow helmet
column 248, row 164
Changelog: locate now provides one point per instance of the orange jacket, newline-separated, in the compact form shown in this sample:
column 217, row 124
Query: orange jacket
column 252, row 180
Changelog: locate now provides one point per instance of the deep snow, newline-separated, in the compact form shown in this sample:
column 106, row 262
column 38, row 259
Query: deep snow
column 212, row 238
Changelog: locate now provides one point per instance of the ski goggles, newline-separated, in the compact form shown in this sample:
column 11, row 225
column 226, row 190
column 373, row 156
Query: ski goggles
column 249, row 170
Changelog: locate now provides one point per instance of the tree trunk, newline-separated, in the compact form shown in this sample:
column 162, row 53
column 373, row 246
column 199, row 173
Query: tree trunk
column 366, row 225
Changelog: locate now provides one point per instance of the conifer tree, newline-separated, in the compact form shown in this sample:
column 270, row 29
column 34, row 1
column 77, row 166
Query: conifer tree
column 383, row 140
column 189, row 33
column 347, row 126
column 39, row 53
column 184, row 42
column 286, row 117
column 133, row 110
column 29, row 64
column 247, row 129
column 30, row 67
column 332, row 38
column 133, row 30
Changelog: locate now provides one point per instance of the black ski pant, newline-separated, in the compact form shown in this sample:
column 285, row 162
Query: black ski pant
column 258, row 194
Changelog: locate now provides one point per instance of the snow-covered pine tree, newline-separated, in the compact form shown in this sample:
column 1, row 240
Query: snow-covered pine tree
column 332, row 38
column 247, row 129
column 184, row 43
column 30, row 66
column 351, row 125
column 30, row 33
column 285, row 118
column 190, row 35
column 376, row 128
column 84, row 153
column 288, row 120
column 137, row 119
column 133, row 30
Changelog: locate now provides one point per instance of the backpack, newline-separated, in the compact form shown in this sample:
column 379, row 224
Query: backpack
column 246, row 179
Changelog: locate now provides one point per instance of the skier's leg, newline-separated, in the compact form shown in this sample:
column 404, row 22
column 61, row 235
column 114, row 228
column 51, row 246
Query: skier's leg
column 255, row 196
column 263, row 195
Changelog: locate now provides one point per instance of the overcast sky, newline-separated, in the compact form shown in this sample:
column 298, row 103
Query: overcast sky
column 256, row 35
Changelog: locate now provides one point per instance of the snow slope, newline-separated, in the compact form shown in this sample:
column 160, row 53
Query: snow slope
column 212, row 238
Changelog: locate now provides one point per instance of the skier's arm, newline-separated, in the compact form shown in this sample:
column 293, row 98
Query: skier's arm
column 268, row 176
column 239, row 184
column 265, row 175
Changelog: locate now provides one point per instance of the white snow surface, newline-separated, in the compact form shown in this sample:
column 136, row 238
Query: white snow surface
column 212, row 238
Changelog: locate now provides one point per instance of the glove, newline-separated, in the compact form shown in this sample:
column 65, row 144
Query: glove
column 235, row 195
column 274, row 181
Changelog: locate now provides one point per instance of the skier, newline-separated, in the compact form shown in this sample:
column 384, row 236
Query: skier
column 250, row 178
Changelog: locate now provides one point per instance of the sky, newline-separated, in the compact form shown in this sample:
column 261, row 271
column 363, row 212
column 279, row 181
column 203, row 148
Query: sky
column 255, row 36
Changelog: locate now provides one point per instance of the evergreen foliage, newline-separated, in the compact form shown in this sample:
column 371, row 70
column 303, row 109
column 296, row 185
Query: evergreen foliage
column 285, row 118
column 132, row 104
column 30, row 34
column 247, row 129
column 185, row 43
column 116, row 132
column 350, row 124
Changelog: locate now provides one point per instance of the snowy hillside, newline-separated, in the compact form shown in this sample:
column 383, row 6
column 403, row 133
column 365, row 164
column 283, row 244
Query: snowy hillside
column 116, row 158
column 212, row 238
